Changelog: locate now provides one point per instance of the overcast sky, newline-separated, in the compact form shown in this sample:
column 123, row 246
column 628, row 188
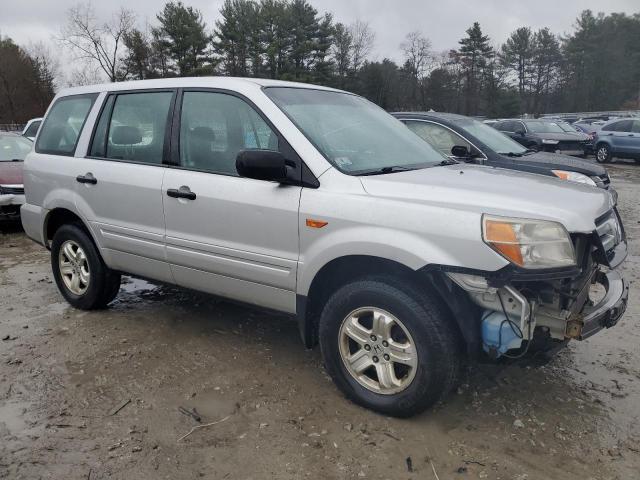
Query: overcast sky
column 443, row 21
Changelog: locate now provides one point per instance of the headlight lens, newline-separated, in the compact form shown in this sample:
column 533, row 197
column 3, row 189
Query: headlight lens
column 529, row 243
column 574, row 177
column 550, row 142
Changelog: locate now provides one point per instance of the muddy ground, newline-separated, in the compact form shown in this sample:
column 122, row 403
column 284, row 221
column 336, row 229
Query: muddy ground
column 97, row 395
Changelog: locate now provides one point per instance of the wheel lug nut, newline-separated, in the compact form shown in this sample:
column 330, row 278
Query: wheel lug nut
column 373, row 338
column 385, row 344
column 386, row 357
column 375, row 359
column 367, row 347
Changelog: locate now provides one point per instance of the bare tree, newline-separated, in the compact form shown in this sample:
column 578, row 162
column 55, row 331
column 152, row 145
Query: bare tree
column 87, row 75
column 417, row 53
column 362, row 41
column 96, row 43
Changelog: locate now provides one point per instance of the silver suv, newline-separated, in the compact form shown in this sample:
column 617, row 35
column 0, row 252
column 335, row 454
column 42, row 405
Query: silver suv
column 317, row 203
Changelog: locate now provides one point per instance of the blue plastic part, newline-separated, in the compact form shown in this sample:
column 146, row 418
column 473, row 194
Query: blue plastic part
column 492, row 323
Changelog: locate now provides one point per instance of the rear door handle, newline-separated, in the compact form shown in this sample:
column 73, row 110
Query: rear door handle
column 182, row 192
column 87, row 178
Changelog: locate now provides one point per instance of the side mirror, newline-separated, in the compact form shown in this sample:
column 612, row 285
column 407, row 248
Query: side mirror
column 460, row 151
column 262, row 165
column 520, row 132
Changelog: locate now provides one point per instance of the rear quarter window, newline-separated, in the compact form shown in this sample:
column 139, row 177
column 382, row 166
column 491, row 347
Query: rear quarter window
column 61, row 129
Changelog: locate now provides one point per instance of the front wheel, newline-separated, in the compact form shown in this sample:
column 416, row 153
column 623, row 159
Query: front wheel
column 79, row 271
column 389, row 346
column 603, row 153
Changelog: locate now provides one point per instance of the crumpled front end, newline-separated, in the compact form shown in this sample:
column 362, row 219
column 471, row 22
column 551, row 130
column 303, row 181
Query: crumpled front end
column 11, row 198
column 544, row 309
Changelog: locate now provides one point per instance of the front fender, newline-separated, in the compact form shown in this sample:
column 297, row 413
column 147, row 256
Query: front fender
column 407, row 248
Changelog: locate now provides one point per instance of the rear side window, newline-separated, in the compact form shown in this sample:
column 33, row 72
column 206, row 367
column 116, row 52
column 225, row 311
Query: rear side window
column 62, row 127
column 636, row 126
column 132, row 127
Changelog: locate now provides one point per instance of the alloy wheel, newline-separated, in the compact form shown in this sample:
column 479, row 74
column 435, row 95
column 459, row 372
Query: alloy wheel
column 603, row 154
column 74, row 267
column 378, row 350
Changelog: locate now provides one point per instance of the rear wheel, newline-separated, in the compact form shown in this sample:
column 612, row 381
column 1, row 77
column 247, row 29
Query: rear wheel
column 79, row 271
column 603, row 153
column 388, row 346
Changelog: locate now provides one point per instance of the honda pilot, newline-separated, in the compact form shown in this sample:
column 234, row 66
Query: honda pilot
column 317, row 203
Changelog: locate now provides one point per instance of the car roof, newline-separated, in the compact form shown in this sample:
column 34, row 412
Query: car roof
column 188, row 82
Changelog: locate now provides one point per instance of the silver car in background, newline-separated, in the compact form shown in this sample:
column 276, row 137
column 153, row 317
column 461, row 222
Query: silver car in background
column 317, row 203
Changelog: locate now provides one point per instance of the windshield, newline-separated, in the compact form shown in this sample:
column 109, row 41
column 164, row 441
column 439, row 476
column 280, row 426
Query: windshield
column 352, row 133
column 492, row 138
column 13, row 147
column 544, row 127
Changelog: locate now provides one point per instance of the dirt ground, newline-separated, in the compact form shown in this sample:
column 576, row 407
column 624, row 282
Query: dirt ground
column 97, row 395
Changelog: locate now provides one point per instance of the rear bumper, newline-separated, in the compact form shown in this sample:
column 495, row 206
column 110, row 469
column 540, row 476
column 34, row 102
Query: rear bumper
column 607, row 312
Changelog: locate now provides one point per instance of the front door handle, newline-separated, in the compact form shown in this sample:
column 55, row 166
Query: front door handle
column 87, row 178
column 182, row 192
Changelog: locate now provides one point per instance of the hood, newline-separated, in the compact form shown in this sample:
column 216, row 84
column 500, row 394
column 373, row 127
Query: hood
column 496, row 191
column 563, row 137
column 11, row 173
column 560, row 161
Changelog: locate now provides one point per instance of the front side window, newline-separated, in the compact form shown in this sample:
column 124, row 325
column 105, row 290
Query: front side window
column 14, row 148
column 62, row 127
column 353, row 134
column 132, row 127
column 621, row 126
column 636, row 126
column 440, row 137
column 492, row 138
column 215, row 127
column 32, row 130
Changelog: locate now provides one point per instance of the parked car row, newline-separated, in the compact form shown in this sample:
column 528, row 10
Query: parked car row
column 399, row 260
column 605, row 138
column 13, row 150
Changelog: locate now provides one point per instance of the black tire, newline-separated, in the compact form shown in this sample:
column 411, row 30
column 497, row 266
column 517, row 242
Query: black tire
column 438, row 351
column 603, row 153
column 113, row 287
column 104, row 283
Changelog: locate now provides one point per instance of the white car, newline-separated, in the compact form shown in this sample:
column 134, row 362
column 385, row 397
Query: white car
column 31, row 128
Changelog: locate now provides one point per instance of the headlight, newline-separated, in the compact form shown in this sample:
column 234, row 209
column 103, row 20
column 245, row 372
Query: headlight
column 529, row 243
column 550, row 142
column 574, row 177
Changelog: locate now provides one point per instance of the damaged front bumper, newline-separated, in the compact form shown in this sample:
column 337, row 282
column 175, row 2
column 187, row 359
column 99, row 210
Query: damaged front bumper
column 10, row 205
column 516, row 309
column 607, row 312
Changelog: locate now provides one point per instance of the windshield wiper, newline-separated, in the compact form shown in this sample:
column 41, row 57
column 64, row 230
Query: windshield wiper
column 446, row 161
column 384, row 170
column 17, row 160
column 510, row 154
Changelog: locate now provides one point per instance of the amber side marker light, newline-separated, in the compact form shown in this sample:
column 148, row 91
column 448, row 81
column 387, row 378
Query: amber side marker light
column 315, row 223
column 502, row 237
